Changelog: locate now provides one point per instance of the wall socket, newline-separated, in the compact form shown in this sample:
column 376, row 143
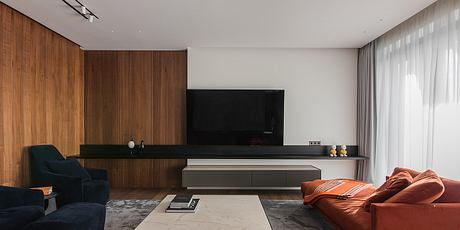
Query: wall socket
column 314, row 142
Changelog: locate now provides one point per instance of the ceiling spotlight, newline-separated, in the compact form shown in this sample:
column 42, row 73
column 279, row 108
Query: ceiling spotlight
column 81, row 10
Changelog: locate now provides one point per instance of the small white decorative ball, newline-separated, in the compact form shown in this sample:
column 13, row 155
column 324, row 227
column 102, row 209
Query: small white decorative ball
column 334, row 147
column 131, row 144
column 344, row 147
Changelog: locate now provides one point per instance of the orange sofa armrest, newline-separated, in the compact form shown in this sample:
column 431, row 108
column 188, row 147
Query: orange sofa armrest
column 386, row 216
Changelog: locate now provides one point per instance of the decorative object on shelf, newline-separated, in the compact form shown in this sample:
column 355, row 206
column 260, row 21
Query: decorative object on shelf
column 141, row 146
column 131, row 145
column 343, row 151
column 333, row 151
column 84, row 11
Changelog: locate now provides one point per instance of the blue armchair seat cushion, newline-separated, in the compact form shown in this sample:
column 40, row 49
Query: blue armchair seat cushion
column 69, row 167
column 96, row 191
column 75, row 216
column 18, row 217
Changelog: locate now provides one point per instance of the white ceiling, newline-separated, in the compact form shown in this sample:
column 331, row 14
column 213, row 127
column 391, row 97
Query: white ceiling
column 177, row 24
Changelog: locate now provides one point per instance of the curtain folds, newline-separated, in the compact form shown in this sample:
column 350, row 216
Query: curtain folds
column 417, row 92
column 366, row 111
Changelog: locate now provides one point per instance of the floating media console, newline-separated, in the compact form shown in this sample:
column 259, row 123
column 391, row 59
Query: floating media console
column 251, row 177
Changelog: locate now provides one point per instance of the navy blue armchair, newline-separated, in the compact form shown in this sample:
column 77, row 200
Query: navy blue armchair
column 19, row 206
column 22, row 209
column 91, row 185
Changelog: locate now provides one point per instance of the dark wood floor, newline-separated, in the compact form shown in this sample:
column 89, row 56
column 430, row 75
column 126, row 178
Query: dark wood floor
column 159, row 194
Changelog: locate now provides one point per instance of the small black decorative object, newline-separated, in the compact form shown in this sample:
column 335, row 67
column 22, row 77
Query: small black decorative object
column 141, row 147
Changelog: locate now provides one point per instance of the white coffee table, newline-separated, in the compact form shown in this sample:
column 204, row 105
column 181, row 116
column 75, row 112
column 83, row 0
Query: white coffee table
column 216, row 212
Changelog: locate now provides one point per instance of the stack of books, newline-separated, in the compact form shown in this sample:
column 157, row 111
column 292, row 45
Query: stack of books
column 46, row 190
column 183, row 203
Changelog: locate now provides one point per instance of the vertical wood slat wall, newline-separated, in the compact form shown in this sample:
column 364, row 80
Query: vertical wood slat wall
column 41, row 93
column 127, row 93
column 138, row 94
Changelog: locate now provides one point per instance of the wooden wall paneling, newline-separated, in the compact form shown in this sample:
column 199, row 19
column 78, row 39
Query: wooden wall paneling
column 3, row 71
column 140, row 173
column 136, row 76
column 144, row 98
column 102, row 95
column 6, row 70
column 41, row 81
column 170, row 89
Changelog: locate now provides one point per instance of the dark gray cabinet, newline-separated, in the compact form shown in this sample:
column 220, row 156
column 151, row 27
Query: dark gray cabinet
column 238, row 176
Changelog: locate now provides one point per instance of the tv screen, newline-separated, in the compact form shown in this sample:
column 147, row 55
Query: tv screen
column 235, row 117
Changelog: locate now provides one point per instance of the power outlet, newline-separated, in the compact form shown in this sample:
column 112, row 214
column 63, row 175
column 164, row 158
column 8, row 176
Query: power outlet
column 314, row 142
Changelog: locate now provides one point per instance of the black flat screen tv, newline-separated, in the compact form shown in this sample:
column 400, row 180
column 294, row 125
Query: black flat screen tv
column 235, row 117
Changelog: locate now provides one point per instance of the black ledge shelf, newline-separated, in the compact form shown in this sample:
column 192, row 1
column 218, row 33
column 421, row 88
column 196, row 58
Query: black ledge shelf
column 214, row 152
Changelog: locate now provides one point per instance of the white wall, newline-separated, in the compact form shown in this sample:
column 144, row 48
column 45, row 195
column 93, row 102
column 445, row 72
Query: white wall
column 320, row 89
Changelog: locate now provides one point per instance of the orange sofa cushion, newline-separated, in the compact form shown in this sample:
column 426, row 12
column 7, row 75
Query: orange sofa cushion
column 392, row 186
column 425, row 188
column 394, row 216
column 451, row 187
column 346, row 214
column 451, row 192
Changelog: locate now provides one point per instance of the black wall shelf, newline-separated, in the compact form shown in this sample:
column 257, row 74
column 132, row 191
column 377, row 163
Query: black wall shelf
column 214, row 152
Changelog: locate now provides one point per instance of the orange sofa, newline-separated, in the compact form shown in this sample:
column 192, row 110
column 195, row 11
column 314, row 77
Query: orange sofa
column 444, row 213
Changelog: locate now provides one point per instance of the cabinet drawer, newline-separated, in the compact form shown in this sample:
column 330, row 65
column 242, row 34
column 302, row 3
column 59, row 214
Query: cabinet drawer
column 216, row 179
column 295, row 178
column 268, row 178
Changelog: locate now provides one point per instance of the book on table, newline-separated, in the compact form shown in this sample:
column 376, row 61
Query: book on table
column 193, row 206
column 181, row 201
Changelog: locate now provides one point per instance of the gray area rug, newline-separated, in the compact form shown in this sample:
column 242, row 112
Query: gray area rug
column 127, row 214
column 282, row 214
column 293, row 214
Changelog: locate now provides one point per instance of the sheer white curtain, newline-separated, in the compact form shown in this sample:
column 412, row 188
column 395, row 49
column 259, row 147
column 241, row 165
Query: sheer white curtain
column 418, row 93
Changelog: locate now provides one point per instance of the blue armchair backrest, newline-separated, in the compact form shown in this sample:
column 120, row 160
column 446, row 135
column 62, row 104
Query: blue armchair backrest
column 38, row 155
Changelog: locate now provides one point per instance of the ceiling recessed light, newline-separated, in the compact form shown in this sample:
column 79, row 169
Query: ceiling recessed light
column 140, row 31
column 113, row 31
column 381, row 19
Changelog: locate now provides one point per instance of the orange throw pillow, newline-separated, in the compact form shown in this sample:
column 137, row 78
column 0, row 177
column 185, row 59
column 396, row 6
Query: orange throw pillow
column 412, row 172
column 393, row 185
column 451, row 187
column 425, row 188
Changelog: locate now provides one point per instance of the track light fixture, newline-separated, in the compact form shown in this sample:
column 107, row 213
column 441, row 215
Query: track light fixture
column 83, row 10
